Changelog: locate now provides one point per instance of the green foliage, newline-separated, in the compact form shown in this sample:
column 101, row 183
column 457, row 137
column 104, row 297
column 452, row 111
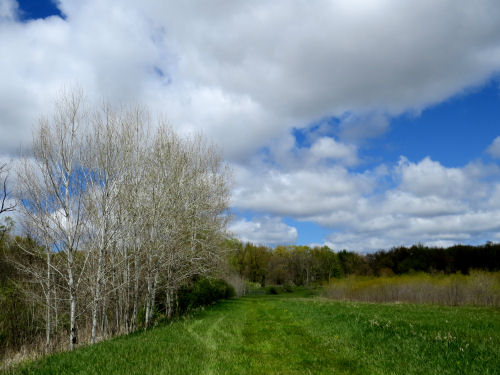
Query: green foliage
column 289, row 334
column 459, row 258
column 20, row 320
column 272, row 290
column 297, row 265
column 16, row 318
column 6, row 227
column 202, row 292
column 288, row 288
column 141, row 318
column 278, row 289
column 302, row 265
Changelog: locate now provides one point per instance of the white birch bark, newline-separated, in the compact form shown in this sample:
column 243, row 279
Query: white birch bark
column 50, row 196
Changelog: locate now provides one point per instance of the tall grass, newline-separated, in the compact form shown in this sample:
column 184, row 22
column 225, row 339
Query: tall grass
column 479, row 288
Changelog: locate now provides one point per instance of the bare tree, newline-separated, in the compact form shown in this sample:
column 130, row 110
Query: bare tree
column 103, row 160
column 191, row 199
column 5, row 204
column 52, row 190
column 126, row 211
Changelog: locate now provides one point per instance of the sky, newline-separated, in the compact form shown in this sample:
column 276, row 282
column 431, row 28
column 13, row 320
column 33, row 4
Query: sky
column 356, row 124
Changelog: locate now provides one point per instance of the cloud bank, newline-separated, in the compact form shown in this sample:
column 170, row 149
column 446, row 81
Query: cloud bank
column 248, row 73
column 264, row 230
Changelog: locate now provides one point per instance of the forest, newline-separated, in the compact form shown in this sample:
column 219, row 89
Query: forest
column 304, row 265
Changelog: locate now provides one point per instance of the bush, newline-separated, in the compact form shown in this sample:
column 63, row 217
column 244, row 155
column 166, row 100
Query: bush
column 271, row 290
column 288, row 288
column 18, row 322
column 479, row 288
column 202, row 292
column 239, row 284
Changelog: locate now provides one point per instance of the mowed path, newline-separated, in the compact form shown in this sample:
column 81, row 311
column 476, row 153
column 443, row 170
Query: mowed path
column 287, row 334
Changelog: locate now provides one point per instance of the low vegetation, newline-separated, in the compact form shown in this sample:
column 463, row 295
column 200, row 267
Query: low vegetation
column 291, row 333
column 479, row 288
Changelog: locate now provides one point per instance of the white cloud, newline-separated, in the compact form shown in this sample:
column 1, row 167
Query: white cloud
column 428, row 203
column 430, row 177
column 245, row 72
column 431, row 204
column 327, row 148
column 264, row 230
column 403, row 202
column 494, row 148
column 301, row 193
column 8, row 10
column 322, row 150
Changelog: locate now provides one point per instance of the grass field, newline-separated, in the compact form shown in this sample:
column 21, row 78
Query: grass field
column 297, row 334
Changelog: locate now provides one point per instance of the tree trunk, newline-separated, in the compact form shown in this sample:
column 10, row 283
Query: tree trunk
column 153, row 295
column 47, row 312
column 127, row 296
column 104, row 316
column 97, row 296
column 135, row 310
column 73, row 338
column 149, row 282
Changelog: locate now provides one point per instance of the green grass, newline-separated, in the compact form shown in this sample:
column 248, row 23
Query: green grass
column 299, row 334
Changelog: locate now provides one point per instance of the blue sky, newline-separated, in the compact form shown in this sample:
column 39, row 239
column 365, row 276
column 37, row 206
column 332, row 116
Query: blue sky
column 454, row 133
column 345, row 122
column 34, row 9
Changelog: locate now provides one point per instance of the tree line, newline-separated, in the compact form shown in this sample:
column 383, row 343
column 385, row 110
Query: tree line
column 304, row 265
column 114, row 215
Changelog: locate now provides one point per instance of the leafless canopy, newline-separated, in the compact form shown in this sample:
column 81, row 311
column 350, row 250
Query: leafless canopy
column 123, row 213
column 5, row 205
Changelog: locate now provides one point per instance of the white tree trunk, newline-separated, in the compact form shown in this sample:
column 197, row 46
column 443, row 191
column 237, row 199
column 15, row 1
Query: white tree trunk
column 48, row 304
column 73, row 337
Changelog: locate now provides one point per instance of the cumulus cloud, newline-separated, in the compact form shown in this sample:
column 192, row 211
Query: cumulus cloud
column 427, row 202
column 431, row 204
column 264, row 230
column 246, row 72
column 494, row 148
column 302, row 193
column 318, row 150
column 327, row 148
column 429, row 177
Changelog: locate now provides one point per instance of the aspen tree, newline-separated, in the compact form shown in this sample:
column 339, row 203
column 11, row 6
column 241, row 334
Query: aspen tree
column 52, row 190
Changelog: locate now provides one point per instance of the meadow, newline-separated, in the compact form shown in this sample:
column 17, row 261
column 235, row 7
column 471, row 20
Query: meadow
column 479, row 288
column 298, row 333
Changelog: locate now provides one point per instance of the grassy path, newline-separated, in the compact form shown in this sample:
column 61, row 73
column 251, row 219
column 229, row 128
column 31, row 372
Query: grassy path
column 294, row 335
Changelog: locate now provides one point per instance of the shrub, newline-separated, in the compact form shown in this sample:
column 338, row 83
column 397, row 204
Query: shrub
column 479, row 288
column 203, row 291
column 271, row 290
column 239, row 284
column 288, row 288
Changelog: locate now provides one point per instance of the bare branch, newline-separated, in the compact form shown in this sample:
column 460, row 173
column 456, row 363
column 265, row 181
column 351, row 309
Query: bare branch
column 5, row 206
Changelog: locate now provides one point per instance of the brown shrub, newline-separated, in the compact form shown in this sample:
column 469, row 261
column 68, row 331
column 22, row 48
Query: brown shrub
column 479, row 288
